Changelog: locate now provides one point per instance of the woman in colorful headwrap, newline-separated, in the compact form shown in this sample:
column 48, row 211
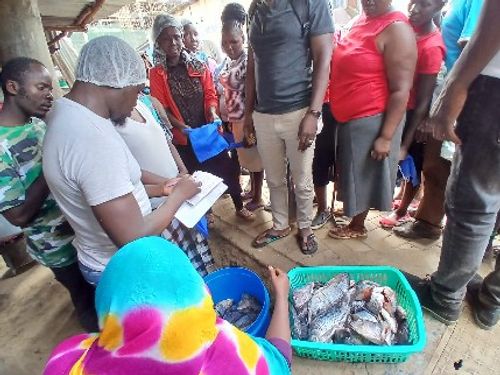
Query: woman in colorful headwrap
column 156, row 317
column 184, row 86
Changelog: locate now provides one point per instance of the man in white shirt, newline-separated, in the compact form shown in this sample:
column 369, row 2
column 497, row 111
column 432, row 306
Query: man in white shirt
column 89, row 169
column 471, row 96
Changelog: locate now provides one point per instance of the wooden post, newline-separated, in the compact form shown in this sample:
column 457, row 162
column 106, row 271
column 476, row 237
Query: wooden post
column 22, row 34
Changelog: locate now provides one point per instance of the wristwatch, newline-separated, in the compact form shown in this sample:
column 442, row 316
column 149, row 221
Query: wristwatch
column 315, row 113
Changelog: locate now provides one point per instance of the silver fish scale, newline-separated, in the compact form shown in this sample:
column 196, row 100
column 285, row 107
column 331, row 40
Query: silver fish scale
column 373, row 332
column 365, row 315
column 301, row 298
column 328, row 296
column 299, row 328
column 324, row 327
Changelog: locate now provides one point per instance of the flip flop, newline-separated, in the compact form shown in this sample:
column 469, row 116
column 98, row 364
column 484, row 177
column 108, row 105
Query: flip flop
column 309, row 246
column 393, row 220
column 266, row 238
column 346, row 233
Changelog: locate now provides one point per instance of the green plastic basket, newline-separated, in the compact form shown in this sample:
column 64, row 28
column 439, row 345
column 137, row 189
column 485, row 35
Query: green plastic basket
column 384, row 275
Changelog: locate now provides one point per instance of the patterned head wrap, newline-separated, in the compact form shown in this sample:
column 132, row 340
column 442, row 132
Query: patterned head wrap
column 161, row 22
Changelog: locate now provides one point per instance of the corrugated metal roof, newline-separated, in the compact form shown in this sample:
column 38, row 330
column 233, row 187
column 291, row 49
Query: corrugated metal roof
column 57, row 13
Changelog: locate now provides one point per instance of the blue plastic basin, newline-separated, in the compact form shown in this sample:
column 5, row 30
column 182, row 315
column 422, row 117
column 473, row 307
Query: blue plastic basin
column 232, row 282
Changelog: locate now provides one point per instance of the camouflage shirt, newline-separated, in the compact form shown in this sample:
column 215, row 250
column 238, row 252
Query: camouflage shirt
column 49, row 235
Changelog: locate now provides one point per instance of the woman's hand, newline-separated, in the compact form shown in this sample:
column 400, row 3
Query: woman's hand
column 249, row 131
column 187, row 187
column 381, row 148
column 307, row 131
column 213, row 116
column 280, row 282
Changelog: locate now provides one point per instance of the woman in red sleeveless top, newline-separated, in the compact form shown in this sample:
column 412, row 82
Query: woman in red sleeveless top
column 371, row 77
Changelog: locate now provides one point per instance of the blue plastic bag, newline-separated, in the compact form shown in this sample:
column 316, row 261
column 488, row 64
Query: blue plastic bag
column 207, row 142
column 202, row 226
column 408, row 171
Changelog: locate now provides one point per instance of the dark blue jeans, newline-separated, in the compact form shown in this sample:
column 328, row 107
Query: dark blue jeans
column 472, row 199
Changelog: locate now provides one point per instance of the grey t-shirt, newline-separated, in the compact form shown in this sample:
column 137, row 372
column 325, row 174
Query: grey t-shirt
column 283, row 71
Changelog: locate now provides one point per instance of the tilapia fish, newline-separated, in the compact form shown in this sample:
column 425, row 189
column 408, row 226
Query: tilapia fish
column 245, row 321
column 376, row 301
column 323, row 327
column 377, row 332
column 364, row 289
column 342, row 311
column 301, row 298
column 249, row 304
column 402, row 336
column 391, row 321
column 328, row 296
column 223, row 306
column 299, row 327
column 348, row 336
column 241, row 315
column 365, row 315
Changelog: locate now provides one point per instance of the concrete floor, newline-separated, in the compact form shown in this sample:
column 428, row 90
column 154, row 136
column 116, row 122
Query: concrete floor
column 479, row 350
column 36, row 312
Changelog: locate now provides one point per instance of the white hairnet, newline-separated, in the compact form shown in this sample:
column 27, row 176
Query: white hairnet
column 161, row 22
column 110, row 61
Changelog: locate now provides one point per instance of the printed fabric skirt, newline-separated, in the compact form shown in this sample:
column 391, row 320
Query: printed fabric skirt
column 193, row 243
column 366, row 183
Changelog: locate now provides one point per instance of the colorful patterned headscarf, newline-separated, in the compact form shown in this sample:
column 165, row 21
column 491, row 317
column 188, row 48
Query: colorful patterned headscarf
column 156, row 317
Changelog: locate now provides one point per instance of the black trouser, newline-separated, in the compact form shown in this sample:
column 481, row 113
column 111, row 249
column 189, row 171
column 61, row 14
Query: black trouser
column 221, row 166
column 82, row 295
column 416, row 149
column 324, row 151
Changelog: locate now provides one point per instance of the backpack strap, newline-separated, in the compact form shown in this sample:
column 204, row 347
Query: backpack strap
column 301, row 8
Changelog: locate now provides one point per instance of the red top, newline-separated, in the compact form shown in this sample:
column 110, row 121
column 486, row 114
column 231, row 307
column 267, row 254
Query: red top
column 336, row 38
column 359, row 86
column 161, row 91
column 431, row 52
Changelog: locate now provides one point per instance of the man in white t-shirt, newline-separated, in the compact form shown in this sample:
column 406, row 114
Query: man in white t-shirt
column 471, row 97
column 89, row 169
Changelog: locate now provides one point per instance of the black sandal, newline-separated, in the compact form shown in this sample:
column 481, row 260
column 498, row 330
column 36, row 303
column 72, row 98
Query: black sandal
column 266, row 238
column 309, row 246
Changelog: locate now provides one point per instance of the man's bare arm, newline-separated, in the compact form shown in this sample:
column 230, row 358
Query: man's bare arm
column 24, row 214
